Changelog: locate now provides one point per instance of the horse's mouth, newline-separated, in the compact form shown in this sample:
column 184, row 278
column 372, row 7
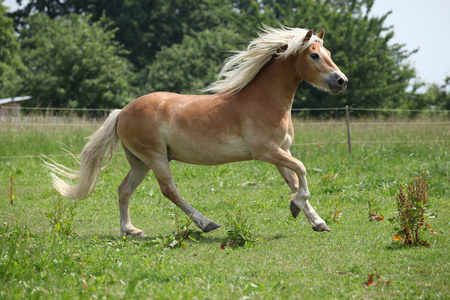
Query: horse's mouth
column 337, row 82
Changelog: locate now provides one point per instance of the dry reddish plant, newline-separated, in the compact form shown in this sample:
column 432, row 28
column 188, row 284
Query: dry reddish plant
column 412, row 205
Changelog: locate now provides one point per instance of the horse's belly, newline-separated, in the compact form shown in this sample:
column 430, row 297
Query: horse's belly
column 209, row 152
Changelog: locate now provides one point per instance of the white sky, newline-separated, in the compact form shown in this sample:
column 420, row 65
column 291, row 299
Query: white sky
column 422, row 25
column 419, row 24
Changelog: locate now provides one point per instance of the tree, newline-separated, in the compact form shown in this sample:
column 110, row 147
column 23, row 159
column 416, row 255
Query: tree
column 72, row 63
column 193, row 64
column 438, row 96
column 377, row 72
column 10, row 63
column 143, row 27
column 160, row 34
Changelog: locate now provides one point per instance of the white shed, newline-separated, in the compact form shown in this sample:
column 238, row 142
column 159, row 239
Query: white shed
column 11, row 106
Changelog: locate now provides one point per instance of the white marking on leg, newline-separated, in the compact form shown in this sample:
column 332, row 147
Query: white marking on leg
column 298, row 184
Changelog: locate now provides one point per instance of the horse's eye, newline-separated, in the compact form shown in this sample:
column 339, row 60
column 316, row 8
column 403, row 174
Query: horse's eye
column 315, row 55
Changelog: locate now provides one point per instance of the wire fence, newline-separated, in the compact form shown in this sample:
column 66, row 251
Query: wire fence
column 341, row 117
column 22, row 116
column 52, row 110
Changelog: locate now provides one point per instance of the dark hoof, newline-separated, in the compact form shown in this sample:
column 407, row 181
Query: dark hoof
column 294, row 210
column 210, row 226
column 321, row 227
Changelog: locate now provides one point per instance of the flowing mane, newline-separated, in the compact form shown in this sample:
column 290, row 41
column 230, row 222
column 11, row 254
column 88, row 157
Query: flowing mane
column 242, row 67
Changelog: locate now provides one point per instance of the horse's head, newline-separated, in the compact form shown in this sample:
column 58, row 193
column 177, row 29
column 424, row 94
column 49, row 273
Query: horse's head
column 315, row 65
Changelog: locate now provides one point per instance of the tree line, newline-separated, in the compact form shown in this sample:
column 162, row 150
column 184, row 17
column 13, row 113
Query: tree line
column 105, row 53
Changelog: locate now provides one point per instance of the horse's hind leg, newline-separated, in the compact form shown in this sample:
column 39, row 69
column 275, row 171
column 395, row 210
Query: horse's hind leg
column 162, row 172
column 135, row 176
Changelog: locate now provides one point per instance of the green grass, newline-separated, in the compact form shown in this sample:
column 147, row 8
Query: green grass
column 288, row 261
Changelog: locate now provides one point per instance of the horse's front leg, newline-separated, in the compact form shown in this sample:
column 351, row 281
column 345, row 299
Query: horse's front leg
column 294, row 173
column 317, row 223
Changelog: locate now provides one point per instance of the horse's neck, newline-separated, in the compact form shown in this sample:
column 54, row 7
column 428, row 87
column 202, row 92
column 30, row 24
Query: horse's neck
column 275, row 85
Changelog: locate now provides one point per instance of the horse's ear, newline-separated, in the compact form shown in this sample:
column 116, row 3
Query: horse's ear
column 321, row 34
column 308, row 36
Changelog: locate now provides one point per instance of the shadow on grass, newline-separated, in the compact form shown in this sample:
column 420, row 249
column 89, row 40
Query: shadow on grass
column 148, row 239
column 400, row 246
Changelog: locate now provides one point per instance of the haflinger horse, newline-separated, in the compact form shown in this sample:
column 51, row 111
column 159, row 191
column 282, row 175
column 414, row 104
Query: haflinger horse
column 247, row 117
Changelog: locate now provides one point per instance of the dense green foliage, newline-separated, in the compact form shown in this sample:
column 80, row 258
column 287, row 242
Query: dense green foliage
column 179, row 45
column 72, row 63
column 144, row 27
column 178, row 68
column 10, row 63
column 287, row 260
column 439, row 96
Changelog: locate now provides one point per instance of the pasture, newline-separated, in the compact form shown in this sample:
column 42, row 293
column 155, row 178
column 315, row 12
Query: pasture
column 288, row 259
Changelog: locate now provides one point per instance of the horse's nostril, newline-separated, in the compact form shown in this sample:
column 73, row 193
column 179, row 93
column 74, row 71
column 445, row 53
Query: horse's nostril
column 337, row 82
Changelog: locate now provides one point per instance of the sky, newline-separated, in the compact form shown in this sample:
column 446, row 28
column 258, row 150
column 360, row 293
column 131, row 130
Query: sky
column 423, row 25
column 418, row 24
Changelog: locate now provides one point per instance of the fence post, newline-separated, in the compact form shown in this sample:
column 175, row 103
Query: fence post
column 347, row 117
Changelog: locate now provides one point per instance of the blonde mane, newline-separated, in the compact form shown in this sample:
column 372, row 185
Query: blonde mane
column 242, row 67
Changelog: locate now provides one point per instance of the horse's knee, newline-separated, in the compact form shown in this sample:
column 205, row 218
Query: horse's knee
column 301, row 169
column 304, row 195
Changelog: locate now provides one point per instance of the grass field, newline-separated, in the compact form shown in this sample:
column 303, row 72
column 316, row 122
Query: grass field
column 288, row 260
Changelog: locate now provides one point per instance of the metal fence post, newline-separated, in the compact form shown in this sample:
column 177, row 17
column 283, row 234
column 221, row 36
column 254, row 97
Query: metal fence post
column 347, row 117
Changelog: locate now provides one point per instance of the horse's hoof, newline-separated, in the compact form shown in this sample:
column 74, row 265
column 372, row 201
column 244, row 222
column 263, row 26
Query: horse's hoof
column 210, row 226
column 294, row 210
column 135, row 232
column 141, row 235
column 321, row 227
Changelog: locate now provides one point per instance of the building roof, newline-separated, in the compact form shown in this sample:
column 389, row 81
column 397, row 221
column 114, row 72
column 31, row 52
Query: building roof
column 14, row 99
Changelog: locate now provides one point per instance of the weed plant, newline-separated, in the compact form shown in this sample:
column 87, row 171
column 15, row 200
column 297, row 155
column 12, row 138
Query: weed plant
column 375, row 213
column 412, row 211
column 61, row 217
column 11, row 190
column 239, row 231
column 183, row 232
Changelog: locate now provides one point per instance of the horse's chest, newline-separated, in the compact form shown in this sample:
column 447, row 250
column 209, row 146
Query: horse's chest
column 279, row 132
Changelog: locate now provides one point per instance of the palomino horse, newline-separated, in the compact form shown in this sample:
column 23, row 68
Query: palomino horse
column 248, row 118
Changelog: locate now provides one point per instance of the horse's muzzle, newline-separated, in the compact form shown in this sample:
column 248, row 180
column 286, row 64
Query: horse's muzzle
column 337, row 82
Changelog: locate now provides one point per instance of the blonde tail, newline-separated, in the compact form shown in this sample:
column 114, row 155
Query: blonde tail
column 91, row 161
